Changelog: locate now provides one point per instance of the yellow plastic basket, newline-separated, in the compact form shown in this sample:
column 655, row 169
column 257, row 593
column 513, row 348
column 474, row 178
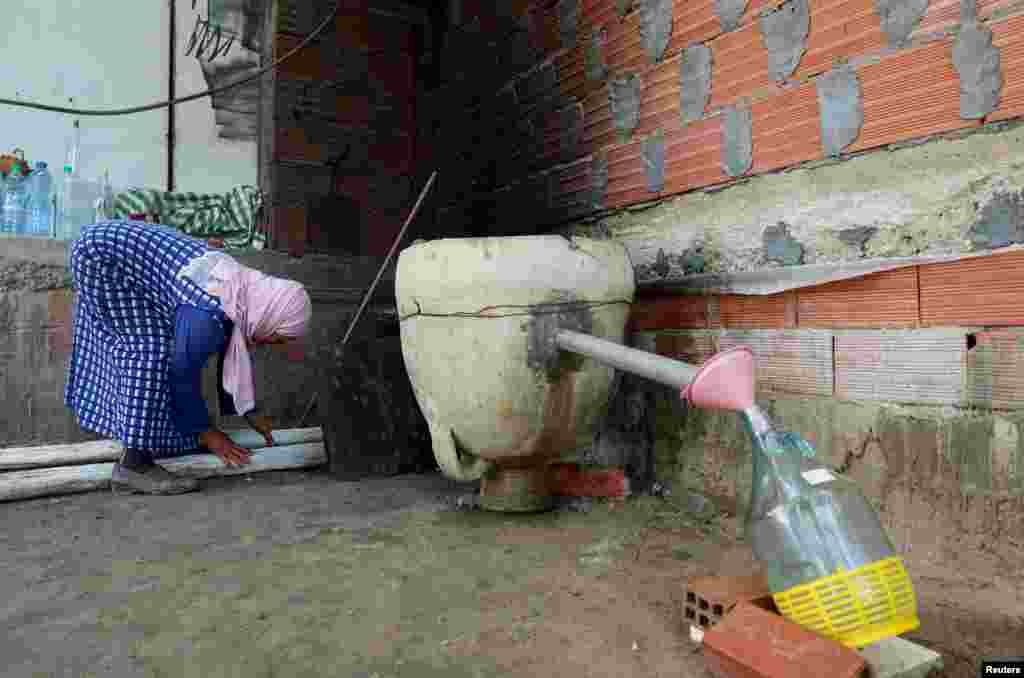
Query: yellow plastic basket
column 855, row 607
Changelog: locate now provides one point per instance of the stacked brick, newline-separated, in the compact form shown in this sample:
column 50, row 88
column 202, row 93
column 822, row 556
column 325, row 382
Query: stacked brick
column 579, row 106
column 340, row 163
column 946, row 334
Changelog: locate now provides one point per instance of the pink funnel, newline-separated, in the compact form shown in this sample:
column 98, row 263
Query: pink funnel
column 725, row 382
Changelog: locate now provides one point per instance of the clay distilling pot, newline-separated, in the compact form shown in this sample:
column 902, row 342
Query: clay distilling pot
column 478, row 319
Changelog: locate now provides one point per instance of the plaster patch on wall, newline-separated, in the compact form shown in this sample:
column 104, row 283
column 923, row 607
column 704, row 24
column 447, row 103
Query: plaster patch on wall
column 899, row 19
column 738, row 143
column 652, row 150
column 841, row 108
column 780, row 247
column 785, row 35
column 568, row 22
column 624, row 98
column 729, row 13
column 655, row 27
column 977, row 63
column 598, row 181
column 1000, row 217
column 943, row 189
column 597, row 67
column 857, row 236
column 694, row 82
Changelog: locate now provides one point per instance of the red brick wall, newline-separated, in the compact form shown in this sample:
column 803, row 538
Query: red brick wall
column 908, row 93
column 351, row 96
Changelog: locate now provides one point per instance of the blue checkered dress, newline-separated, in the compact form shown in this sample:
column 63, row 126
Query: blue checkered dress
column 125, row 276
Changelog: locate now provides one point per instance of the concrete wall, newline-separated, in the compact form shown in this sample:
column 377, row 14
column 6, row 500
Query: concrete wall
column 113, row 55
column 953, row 194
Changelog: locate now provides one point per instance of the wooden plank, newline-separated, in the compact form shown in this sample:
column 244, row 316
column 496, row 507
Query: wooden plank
column 30, row 484
column 47, row 456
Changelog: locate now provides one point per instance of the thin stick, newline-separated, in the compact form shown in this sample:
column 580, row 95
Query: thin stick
column 387, row 260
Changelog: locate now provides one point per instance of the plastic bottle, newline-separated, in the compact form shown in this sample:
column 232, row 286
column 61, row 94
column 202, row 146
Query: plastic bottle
column 3, row 193
column 15, row 205
column 105, row 204
column 40, row 190
column 813, row 528
column 74, row 149
column 69, row 211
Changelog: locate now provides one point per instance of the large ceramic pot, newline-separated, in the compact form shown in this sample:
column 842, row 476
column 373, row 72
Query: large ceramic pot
column 478, row 319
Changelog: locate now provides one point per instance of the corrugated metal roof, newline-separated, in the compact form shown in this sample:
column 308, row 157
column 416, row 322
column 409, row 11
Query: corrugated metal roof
column 983, row 291
column 886, row 299
column 995, row 370
column 788, row 361
column 901, row 366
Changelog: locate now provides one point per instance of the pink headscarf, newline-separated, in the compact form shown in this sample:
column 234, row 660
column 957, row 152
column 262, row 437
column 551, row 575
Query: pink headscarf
column 260, row 306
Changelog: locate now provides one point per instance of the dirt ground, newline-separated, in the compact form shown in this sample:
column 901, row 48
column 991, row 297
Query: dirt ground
column 297, row 574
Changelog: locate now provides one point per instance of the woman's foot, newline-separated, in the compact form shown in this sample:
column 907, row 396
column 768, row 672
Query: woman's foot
column 149, row 479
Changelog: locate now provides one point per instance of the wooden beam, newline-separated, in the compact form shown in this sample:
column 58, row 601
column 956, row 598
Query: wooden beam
column 49, row 456
column 30, row 484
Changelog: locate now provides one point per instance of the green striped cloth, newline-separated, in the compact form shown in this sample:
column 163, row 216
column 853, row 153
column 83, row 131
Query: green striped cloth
column 232, row 216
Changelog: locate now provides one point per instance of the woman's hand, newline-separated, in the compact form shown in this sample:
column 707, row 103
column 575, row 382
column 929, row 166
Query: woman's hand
column 224, row 447
column 261, row 424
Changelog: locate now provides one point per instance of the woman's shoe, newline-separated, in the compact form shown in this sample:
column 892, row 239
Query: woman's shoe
column 153, row 479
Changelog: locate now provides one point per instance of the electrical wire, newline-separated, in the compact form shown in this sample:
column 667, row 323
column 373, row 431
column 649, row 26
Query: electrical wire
column 191, row 97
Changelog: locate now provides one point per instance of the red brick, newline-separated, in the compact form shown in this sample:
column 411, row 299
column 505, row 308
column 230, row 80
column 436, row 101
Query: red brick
column 754, row 311
column 683, row 311
column 751, row 642
column 707, row 599
column 290, row 226
column 570, row 480
column 887, row 299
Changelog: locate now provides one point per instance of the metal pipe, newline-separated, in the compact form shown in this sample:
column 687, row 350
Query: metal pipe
column 641, row 363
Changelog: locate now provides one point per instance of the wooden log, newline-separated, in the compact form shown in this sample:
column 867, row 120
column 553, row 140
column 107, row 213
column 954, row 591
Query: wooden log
column 50, row 456
column 15, row 485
